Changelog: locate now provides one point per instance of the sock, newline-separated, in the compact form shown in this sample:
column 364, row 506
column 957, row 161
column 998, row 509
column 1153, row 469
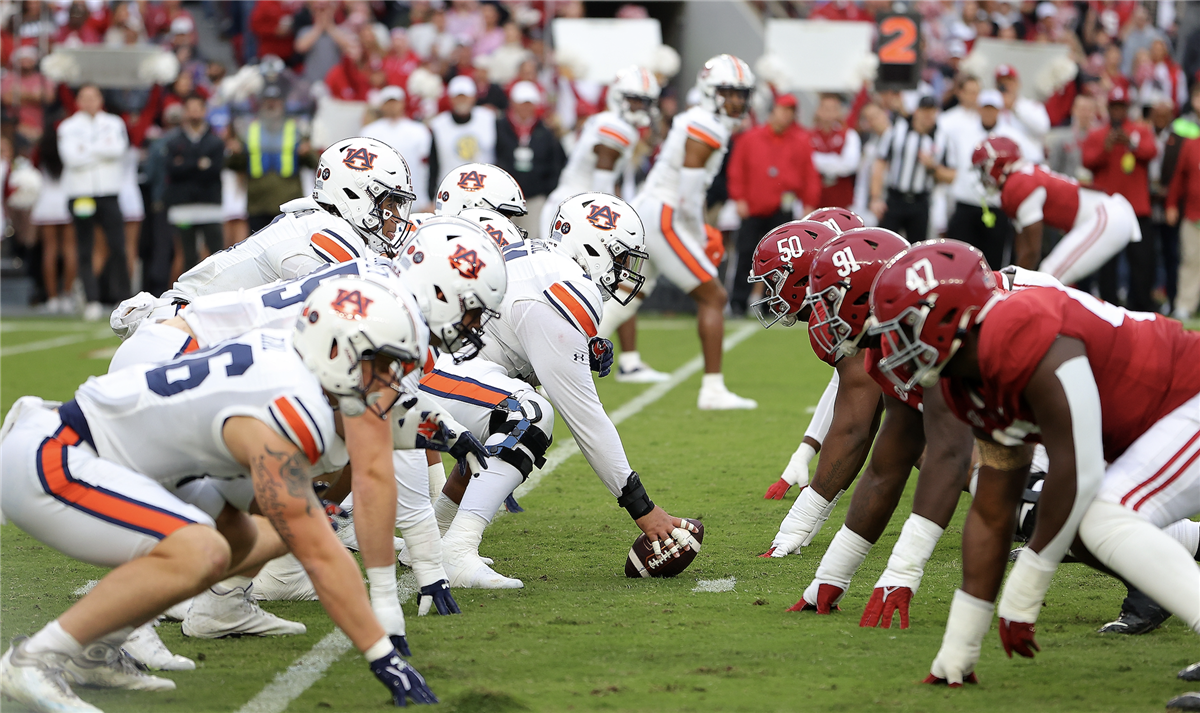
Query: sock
column 491, row 487
column 228, row 585
column 713, row 381
column 628, row 361
column 465, row 533
column 906, row 565
column 444, row 510
column 842, row 559
column 54, row 638
column 1188, row 535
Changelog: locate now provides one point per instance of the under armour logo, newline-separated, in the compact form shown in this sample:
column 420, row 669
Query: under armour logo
column 603, row 217
column 471, row 180
column 360, row 160
column 467, row 262
column 351, row 304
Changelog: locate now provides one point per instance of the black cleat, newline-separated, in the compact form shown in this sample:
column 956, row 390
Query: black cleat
column 1139, row 615
column 1191, row 673
column 1185, row 702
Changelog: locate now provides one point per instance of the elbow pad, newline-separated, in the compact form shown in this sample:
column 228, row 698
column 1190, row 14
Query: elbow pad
column 634, row 499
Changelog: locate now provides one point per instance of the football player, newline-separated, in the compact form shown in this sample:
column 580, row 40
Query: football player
column 671, row 203
column 108, row 478
column 479, row 185
column 1096, row 226
column 1113, row 395
column 546, row 334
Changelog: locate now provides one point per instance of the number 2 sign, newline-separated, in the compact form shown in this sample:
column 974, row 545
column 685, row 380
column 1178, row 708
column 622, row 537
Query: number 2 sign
column 899, row 50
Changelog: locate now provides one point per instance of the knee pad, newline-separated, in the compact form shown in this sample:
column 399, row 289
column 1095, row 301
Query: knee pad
column 522, row 429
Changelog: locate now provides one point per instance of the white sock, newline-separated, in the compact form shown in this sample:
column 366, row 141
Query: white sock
column 444, row 509
column 713, row 381
column 628, row 361
column 1187, row 533
column 818, row 427
column 489, row 489
column 437, row 480
column 229, row 584
column 465, row 533
column 425, row 549
column 54, row 638
column 842, row 559
column 906, row 565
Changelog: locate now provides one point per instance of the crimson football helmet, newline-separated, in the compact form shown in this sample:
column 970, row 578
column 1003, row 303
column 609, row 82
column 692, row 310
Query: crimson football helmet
column 840, row 219
column 922, row 303
column 839, row 287
column 781, row 262
column 995, row 158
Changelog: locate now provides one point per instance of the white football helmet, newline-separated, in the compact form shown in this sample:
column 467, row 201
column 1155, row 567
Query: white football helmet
column 724, row 72
column 479, row 185
column 502, row 230
column 367, row 183
column 453, row 267
column 605, row 236
column 632, row 96
column 349, row 320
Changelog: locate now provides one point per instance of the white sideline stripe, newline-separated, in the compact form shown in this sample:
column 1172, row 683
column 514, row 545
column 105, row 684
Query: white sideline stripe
column 304, row 672
column 46, row 326
column 810, row 409
column 715, row 585
column 55, row 342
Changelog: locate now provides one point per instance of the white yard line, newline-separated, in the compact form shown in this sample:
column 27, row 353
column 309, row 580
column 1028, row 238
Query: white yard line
column 715, row 585
column 306, row 670
column 55, row 342
column 49, row 325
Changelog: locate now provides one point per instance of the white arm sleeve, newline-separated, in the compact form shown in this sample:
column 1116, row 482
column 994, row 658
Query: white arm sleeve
column 558, row 353
column 840, row 164
column 1030, row 210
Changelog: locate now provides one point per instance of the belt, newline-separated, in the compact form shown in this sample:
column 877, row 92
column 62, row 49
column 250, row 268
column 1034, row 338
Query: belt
column 72, row 416
column 907, row 197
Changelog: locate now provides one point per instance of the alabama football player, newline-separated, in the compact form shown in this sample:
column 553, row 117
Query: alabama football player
column 671, row 204
column 109, row 478
column 1113, row 395
column 1096, row 226
column 546, row 334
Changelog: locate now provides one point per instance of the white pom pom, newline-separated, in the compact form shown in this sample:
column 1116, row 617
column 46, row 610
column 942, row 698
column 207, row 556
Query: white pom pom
column 772, row 70
column 26, row 182
column 866, row 68
column 425, row 84
column 59, row 67
column 572, row 62
column 665, row 61
column 159, row 68
column 976, row 65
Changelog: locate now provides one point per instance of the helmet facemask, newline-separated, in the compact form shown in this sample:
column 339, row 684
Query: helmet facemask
column 462, row 339
column 389, row 365
column 772, row 307
column 627, row 263
column 909, row 362
column 827, row 328
column 639, row 116
column 389, row 203
column 721, row 99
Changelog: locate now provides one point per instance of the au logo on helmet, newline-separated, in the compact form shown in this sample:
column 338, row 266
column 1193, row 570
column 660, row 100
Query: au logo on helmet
column 496, row 234
column 603, row 217
column 351, row 304
column 467, row 262
column 360, row 160
column 471, row 181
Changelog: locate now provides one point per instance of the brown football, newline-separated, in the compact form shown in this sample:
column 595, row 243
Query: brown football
column 642, row 562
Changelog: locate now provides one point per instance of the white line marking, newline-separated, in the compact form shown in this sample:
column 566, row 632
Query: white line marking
column 46, row 326
column 715, row 585
column 85, row 588
column 55, row 342
column 304, row 672
column 810, row 409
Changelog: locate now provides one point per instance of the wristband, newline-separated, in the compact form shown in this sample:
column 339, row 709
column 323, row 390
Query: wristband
column 1026, row 587
column 379, row 649
column 383, row 583
column 634, row 499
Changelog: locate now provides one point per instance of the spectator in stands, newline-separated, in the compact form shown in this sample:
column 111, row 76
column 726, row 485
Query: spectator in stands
column 1064, row 146
column 92, row 144
column 465, row 21
column 1118, row 155
column 506, row 61
column 771, row 178
column 411, row 139
column 1138, row 34
column 125, row 27
column 529, row 150
column 195, row 156
column 156, row 275
column 837, row 150
column 910, row 161
column 78, row 30
column 160, row 18
column 273, row 23
column 319, row 41
column 53, row 221
column 428, row 35
column 271, row 157
column 1026, row 117
column 1162, row 167
column 349, row 79
column 400, row 60
column 873, row 124
column 1185, row 192
column 1166, row 78
column 24, row 93
column 493, row 33
column 464, row 134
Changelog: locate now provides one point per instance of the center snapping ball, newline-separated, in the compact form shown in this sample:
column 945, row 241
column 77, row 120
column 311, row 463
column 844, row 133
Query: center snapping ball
column 642, row 562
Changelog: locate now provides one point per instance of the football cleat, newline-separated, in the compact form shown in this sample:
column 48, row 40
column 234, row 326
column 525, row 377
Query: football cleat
column 769, row 553
column 1139, row 615
column 283, row 579
column 802, row 606
column 1186, row 702
column 886, row 601
column 104, row 666
column 146, row 648
column 468, row 571
column 640, row 374
column 179, row 611
column 713, row 398
column 234, row 613
column 39, row 681
column 1191, row 673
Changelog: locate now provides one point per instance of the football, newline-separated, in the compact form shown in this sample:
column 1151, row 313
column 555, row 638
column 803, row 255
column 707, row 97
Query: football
column 642, row 562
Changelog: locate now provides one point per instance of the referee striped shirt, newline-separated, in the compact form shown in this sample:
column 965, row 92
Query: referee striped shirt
column 900, row 146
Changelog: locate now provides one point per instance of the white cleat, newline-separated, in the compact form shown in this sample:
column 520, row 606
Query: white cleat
column 345, row 530
column 284, row 580
column 722, row 399
column 179, row 611
column 106, row 666
column 469, row 572
column 39, row 681
column 234, row 613
column 146, row 648
column 640, row 374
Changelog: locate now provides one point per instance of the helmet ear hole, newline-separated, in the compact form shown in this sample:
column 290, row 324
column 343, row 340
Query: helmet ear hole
column 437, row 291
column 862, row 299
column 350, row 194
column 591, row 251
column 949, row 317
column 333, row 349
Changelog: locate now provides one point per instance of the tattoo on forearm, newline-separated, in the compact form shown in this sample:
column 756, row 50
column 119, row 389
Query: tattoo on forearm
column 279, row 479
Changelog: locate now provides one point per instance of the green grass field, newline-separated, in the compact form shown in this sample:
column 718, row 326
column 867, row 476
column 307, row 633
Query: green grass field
column 581, row 636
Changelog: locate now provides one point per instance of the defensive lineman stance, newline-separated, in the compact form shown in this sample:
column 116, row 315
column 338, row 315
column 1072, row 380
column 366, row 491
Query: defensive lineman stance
column 108, row 478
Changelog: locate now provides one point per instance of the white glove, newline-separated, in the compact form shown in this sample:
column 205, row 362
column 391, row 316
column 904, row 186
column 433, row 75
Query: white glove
column 796, row 472
column 128, row 315
column 970, row 618
column 803, row 522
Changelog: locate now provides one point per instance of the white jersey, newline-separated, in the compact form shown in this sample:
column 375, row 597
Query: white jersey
column 696, row 124
column 166, row 421
column 550, row 311
column 471, row 142
column 227, row 315
column 604, row 129
column 303, row 238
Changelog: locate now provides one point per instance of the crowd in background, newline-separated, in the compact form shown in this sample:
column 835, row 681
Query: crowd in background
column 196, row 164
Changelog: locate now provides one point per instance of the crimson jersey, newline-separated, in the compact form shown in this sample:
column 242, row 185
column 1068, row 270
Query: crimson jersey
column 841, row 191
column 1062, row 195
column 1145, row 365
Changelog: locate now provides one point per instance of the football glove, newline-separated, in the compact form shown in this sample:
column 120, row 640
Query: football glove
column 402, row 680
column 600, row 355
column 886, row 601
column 826, row 599
column 714, row 248
column 437, row 594
column 777, row 490
column 1018, row 636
